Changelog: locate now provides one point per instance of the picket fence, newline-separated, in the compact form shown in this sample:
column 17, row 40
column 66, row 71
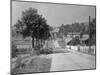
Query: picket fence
column 83, row 48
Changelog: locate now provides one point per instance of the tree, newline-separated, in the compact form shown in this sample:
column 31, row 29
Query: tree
column 93, row 31
column 34, row 25
column 82, row 30
column 93, row 26
column 14, row 50
column 13, row 32
column 19, row 26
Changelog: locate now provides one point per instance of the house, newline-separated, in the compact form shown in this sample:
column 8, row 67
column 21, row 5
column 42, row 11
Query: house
column 73, row 34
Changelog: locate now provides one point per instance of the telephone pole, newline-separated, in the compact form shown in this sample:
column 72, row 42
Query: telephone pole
column 89, row 34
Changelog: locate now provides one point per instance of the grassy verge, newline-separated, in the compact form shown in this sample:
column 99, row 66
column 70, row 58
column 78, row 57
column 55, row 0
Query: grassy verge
column 37, row 64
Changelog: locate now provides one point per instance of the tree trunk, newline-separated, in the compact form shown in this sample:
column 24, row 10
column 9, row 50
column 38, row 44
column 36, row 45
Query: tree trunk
column 47, row 43
column 41, row 43
column 36, row 42
column 32, row 42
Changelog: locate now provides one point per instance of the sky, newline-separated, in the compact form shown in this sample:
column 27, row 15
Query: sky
column 55, row 14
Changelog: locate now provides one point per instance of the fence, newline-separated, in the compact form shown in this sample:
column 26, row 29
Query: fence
column 85, row 49
column 72, row 47
column 24, row 46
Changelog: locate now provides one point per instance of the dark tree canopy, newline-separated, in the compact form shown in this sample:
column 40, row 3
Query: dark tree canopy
column 75, row 27
column 32, row 24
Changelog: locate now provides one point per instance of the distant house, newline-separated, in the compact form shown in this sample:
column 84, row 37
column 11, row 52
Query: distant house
column 73, row 34
column 76, row 41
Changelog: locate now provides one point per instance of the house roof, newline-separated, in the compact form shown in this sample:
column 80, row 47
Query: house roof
column 84, row 37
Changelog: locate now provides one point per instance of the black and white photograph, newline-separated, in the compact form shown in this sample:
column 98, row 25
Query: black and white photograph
column 52, row 37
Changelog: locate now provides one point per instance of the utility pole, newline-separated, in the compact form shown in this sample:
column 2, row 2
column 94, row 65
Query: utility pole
column 39, row 35
column 89, row 34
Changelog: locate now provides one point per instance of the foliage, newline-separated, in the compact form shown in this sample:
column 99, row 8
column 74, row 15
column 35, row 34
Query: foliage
column 75, row 27
column 82, row 28
column 14, row 50
column 34, row 25
column 45, row 51
column 24, row 51
column 93, row 27
column 92, row 32
column 74, row 41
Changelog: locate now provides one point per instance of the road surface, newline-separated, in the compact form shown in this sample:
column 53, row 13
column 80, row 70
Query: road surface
column 71, row 60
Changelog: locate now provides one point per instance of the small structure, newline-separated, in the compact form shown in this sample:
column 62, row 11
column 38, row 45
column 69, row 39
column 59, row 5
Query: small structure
column 54, row 32
column 73, row 34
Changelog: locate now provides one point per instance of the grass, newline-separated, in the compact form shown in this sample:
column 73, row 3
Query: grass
column 37, row 64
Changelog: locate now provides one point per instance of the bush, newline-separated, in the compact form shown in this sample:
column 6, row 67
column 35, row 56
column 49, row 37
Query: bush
column 48, row 51
column 24, row 51
column 14, row 50
column 37, row 48
column 74, row 41
column 45, row 51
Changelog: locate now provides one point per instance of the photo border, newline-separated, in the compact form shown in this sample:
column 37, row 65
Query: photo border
column 58, row 4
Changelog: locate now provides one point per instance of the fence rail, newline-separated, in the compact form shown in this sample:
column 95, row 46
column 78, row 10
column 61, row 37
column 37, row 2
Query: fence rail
column 85, row 49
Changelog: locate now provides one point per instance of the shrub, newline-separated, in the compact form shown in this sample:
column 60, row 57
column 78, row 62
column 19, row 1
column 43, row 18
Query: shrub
column 22, row 51
column 74, row 41
column 14, row 50
column 46, row 51
column 37, row 48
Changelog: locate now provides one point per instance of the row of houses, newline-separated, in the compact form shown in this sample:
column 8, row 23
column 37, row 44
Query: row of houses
column 55, row 32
